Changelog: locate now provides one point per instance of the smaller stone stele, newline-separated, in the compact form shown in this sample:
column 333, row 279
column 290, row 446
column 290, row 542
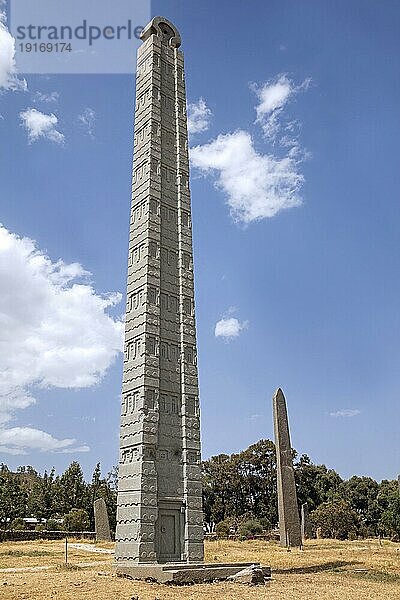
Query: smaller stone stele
column 306, row 531
column 102, row 525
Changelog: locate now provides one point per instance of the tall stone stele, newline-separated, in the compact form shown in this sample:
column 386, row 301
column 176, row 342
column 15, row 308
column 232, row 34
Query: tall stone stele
column 289, row 520
column 159, row 516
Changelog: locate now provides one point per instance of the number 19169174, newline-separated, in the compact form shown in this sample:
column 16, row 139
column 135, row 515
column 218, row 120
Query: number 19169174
column 45, row 47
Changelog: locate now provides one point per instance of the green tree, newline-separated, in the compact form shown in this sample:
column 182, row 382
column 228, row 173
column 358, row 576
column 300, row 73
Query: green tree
column 240, row 484
column 362, row 495
column 336, row 519
column 77, row 519
column 72, row 491
column 42, row 501
column 250, row 528
column 13, row 498
column 390, row 519
column 315, row 483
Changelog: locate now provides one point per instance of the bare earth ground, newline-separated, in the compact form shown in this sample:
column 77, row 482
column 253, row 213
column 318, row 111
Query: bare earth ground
column 325, row 569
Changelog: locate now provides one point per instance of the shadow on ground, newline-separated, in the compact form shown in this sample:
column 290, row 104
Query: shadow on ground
column 329, row 566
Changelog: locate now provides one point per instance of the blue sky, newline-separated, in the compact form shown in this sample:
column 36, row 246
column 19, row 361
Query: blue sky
column 312, row 292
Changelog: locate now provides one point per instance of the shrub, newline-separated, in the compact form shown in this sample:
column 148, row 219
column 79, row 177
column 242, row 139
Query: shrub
column 225, row 527
column 18, row 524
column 250, row 528
column 76, row 520
column 53, row 525
column 336, row 519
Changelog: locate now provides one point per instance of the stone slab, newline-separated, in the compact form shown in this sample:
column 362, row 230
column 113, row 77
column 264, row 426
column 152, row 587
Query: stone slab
column 180, row 573
column 102, row 525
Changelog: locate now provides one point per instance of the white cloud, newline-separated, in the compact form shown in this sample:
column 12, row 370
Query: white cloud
column 229, row 328
column 273, row 96
column 17, row 440
column 345, row 412
column 39, row 125
column 199, row 116
column 55, row 330
column 88, row 120
column 47, row 98
column 257, row 185
column 8, row 71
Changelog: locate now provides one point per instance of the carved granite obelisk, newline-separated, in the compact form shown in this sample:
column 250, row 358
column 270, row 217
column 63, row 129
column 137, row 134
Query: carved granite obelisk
column 101, row 523
column 289, row 520
column 159, row 516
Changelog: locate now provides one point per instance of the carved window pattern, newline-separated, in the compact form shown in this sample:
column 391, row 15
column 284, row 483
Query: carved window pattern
column 168, row 257
column 174, row 353
column 151, row 345
column 128, row 455
column 166, row 67
column 137, row 254
column 140, row 172
column 193, row 457
column 152, row 295
column 130, row 402
column 188, row 306
column 190, row 355
column 155, row 166
column 138, row 212
column 168, row 103
column 164, row 350
column 169, row 302
column 168, row 137
column 156, row 128
column 168, row 214
column 156, row 93
column 137, row 299
column 154, row 206
column 151, row 396
column 187, row 260
column 185, row 218
column 192, row 406
column 135, row 348
column 153, row 249
column 169, row 404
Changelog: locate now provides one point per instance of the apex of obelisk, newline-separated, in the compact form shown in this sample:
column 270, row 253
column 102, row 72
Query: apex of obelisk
column 164, row 29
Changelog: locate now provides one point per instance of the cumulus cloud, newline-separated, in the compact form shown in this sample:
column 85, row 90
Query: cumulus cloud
column 257, row 185
column 199, row 116
column 273, row 96
column 17, row 440
column 47, row 98
column 8, row 71
column 88, row 119
column 55, row 333
column 345, row 412
column 229, row 328
column 39, row 125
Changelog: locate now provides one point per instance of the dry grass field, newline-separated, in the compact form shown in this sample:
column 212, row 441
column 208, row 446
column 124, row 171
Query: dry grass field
column 325, row 569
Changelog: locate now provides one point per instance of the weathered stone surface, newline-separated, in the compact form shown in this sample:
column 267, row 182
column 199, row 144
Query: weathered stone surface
column 252, row 575
column 190, row 573
column 160, row 496
column 289, row 521
column 306, row 532
column 102, row 525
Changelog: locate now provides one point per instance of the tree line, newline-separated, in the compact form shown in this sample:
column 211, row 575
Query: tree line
column 58, row 501
column 240, row 489
column 239, row 494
